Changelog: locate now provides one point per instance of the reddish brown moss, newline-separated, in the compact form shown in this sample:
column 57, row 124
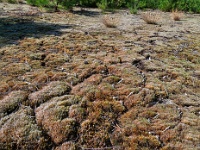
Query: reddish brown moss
column 20, row 129
column 55, row 88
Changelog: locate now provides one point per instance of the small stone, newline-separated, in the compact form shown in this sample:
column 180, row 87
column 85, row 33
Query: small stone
column 86, row 62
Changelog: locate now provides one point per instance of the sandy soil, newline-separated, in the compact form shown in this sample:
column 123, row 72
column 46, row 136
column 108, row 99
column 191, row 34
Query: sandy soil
column 69, row 82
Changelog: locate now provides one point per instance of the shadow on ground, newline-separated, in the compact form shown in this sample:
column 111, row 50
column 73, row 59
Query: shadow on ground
column 13, row 29
column 88, row 13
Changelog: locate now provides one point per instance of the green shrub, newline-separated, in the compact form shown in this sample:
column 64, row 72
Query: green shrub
column 133, row 5
column 67, row 4
column 12, row 1
column 42, row 3
column 88, row 3
column 103, row 5
column 110, row 4
column 9, row 1
column 165, row 5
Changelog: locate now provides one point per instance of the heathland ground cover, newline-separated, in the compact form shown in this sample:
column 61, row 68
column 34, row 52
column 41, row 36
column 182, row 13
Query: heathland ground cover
column 92, row 80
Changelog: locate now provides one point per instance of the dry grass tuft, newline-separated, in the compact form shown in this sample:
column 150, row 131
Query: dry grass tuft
column 151, row 18
column 177, row 15
column 110, row 22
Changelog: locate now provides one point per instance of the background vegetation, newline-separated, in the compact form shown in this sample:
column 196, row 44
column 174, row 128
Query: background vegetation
column 133, row 5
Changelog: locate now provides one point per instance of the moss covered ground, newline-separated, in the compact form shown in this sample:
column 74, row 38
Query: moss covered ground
column 69, row 82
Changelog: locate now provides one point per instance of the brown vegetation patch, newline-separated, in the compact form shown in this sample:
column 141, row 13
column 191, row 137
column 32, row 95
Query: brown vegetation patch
column 11, row 102
column 99, row 124
column 55, row 88
column 59, row 117
column 19, row 130
column 134, row 87
column 16, row 68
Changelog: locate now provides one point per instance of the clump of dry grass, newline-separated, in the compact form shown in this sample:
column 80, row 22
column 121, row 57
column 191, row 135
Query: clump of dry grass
column 177, row 15
column 110, row 22
column 151, row 18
